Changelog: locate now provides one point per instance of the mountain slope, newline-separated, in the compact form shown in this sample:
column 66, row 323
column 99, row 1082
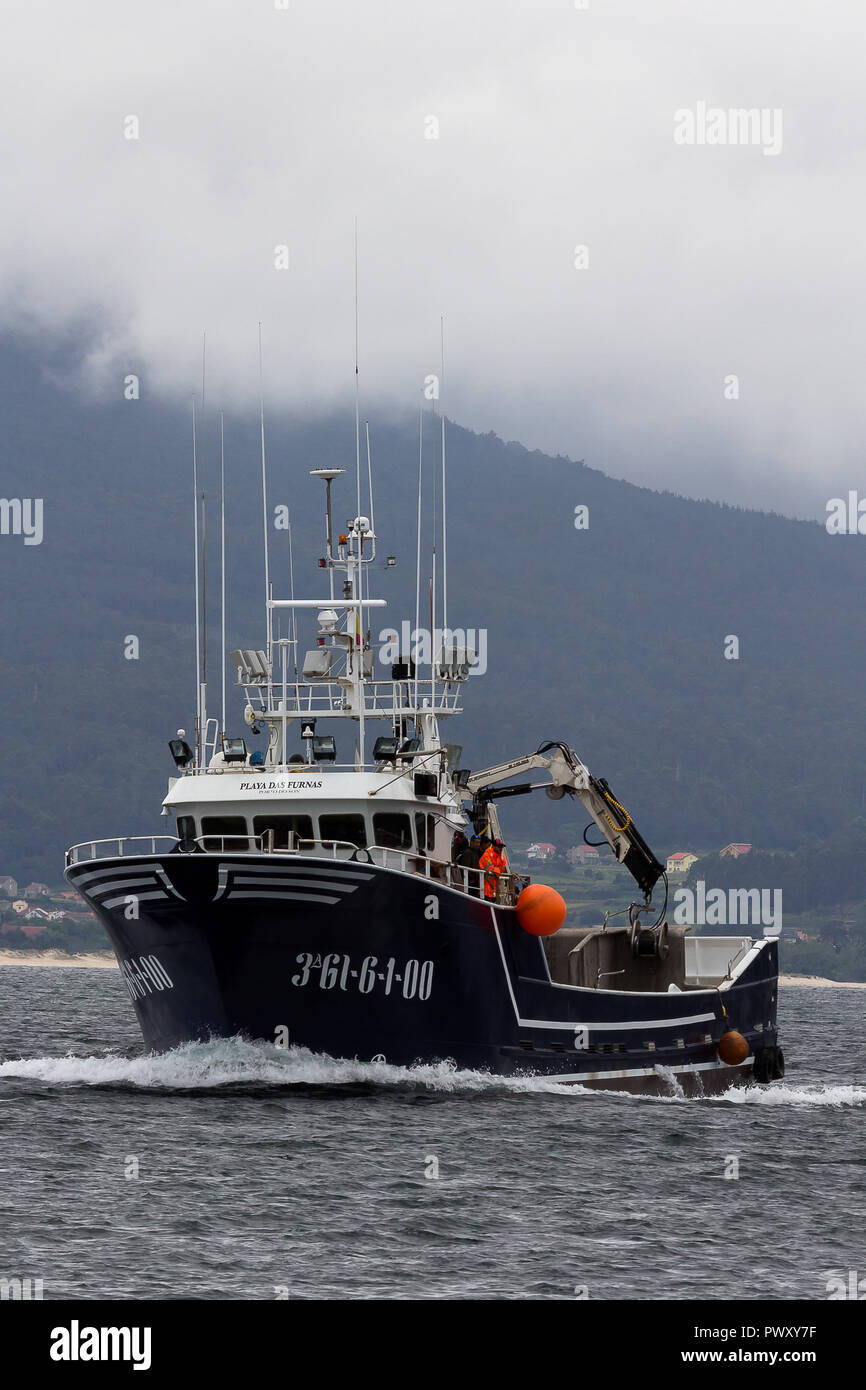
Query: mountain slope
column 611, row 637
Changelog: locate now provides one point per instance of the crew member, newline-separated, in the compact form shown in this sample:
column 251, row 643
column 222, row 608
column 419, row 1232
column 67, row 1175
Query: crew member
column 469, row 858
column 494, row 864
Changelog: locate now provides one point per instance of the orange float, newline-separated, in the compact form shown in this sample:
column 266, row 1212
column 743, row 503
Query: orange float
column 733, row 1048
column 540, row 909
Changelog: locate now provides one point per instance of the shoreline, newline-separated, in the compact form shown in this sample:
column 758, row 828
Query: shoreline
column 819, row 982
column 82, row 960
column 105, row 960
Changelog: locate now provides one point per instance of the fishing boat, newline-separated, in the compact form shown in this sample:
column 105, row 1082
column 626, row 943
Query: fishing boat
column 310, row 895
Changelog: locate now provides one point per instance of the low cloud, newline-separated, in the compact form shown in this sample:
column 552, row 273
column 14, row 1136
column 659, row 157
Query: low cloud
column 261, row 127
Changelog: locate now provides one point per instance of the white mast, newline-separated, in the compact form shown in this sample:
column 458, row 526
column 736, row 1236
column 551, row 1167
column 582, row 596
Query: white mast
column 197, row 606
column 292, row 597
column 223, row 565
column 433, row 582
column 359, row 569
column 357, row 407
column 370, row 488
column 265, row 507
column 444, row 522
column 418, row 550
column 203, row 629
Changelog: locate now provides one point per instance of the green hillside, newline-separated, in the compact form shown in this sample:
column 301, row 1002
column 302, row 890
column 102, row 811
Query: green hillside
column 610, row 638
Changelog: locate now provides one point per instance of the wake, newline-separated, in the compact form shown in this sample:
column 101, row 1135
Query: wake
column 240, row 1063
column 237, row 1061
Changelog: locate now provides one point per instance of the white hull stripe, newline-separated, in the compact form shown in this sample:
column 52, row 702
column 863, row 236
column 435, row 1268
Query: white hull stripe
column 279, row 876
column 106, row 874
column 281, row 897
column 113, row 884
column 157, row 896
column 628, row 1072
column 252, row 880
column 634, row 1025
column 167, row 883
column 107, row 879
column 307, row 867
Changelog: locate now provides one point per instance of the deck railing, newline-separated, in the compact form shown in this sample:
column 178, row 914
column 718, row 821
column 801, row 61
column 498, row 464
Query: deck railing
column 409, row 861
column 76, row 853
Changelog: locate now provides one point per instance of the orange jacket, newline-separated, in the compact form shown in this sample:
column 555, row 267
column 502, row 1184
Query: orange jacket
column 494, row 864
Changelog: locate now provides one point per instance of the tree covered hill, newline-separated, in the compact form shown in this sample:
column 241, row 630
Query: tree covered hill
column 610, row 637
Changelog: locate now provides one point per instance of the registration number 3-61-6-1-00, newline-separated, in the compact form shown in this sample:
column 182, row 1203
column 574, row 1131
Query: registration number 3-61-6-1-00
column 335, row 971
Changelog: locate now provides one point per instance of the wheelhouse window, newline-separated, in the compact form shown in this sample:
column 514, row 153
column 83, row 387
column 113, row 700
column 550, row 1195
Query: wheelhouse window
column 391, row 830
column 224, row 832
column 425, row 830
column 284, row 826
column 348, row 828
column 186, row 829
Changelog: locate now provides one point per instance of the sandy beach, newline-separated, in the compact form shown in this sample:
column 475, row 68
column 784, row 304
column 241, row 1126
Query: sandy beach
column 818, row 981
column 90, row 960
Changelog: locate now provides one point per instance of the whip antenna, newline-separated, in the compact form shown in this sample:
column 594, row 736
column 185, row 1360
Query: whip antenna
column 223, row 564
column 264, row 501
column 197, row 604
column 357, row 405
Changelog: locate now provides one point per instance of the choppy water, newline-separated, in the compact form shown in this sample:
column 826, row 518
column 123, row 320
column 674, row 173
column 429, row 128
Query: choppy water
column 263, row 1171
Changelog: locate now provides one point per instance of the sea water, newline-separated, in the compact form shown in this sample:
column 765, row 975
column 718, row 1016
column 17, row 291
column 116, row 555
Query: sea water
column 237, row 1170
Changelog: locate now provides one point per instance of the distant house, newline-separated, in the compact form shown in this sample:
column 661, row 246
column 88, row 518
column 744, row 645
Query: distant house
column 582, row 854
column 9, row 886
column 32, row 928
column 681, row 862
column 541, row 851
column 37, row 890
column 735, row 851
column 20, row 906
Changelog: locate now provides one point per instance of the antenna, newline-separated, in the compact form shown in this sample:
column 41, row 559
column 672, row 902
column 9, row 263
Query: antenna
column 418, row 549
column 197, row 606
column 433, row 583
column 357, row 414
column 444, row 532
column 203, row 346
column 292, row 597
column 370, row 488
column 328, row 475
column 203, row 630
column 223, row 566
column 265, row 502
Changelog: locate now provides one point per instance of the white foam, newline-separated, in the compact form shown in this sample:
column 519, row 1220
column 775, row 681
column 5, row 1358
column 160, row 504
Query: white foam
column 778, row 1094
column 670, row 1079
column 237, row 1061
column 233, row 1061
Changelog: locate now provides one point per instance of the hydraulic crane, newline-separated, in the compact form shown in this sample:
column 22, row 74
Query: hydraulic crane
column 568, row 777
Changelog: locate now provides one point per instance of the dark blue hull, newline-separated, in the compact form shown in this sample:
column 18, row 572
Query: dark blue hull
column 354, row 960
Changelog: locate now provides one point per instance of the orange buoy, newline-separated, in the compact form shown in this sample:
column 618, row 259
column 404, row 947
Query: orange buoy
column 733, row 1048
column 541, row 910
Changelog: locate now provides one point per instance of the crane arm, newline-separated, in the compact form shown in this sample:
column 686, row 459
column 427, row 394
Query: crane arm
column 569, row 776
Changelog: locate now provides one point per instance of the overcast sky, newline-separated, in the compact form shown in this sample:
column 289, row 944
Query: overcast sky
column 262, row 127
